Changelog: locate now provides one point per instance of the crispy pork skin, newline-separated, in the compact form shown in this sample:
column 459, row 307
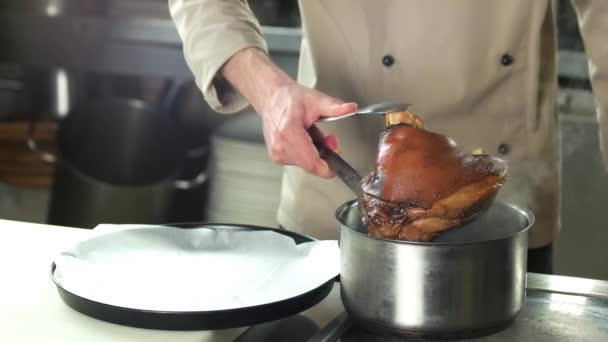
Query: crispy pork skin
column 423, row 183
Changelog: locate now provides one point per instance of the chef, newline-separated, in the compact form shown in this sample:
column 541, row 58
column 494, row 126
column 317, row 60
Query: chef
column 481, row 72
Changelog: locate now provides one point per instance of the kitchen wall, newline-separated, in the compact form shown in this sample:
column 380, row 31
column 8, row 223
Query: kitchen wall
column 581, row 249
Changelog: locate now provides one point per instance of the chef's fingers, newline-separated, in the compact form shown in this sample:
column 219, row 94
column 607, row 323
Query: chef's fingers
column 330, row 141
column 293, row 145
column 329, row 106
column 306, row 155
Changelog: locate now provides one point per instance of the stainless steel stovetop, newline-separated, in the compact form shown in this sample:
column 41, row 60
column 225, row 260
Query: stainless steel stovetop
column 557, row 309
column 547, row 316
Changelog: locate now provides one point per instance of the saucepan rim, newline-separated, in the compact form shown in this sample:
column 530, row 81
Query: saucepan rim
column 342, row 209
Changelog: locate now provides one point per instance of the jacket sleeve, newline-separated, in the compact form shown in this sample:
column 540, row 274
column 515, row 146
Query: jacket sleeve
column 593, row 22
column 211, row 32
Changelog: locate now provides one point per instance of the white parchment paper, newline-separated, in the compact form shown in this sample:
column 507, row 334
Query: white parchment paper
column 203, row 269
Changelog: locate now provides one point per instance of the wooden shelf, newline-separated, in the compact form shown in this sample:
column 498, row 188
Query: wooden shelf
column 20, row 166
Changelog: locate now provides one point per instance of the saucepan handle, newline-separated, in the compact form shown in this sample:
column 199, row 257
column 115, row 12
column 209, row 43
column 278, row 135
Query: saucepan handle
column 186, row 184
column 168, row 105
column 33, row 145
column 198, row 180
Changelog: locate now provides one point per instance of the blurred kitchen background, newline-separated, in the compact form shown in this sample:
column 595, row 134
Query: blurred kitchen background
column 80, row 75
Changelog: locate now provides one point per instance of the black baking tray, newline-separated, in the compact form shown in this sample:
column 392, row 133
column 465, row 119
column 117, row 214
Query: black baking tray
column 200, row 320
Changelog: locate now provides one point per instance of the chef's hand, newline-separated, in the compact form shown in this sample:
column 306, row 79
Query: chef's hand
column 288, row 120
column 288, row 110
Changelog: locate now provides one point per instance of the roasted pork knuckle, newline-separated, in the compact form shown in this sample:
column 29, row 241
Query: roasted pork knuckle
column 423, row 183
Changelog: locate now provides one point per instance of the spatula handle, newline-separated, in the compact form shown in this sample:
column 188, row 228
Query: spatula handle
column 341, row 168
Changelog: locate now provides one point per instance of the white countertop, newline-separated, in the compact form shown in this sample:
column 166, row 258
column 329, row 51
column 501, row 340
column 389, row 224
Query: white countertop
column 31, row 309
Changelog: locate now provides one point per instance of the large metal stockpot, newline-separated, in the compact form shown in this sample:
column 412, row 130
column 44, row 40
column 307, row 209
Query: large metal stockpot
column 469, row 281
column 118, row 161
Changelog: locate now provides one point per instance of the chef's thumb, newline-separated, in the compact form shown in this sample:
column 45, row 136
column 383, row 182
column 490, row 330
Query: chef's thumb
column 335, row 107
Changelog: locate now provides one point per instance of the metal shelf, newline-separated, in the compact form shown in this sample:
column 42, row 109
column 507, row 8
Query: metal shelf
column 131, row 46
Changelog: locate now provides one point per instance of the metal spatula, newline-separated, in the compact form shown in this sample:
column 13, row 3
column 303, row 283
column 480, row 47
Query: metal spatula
column 374, row 109
column 345, row 172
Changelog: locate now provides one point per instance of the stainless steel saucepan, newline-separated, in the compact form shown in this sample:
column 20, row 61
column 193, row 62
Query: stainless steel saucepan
column 470, row 281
